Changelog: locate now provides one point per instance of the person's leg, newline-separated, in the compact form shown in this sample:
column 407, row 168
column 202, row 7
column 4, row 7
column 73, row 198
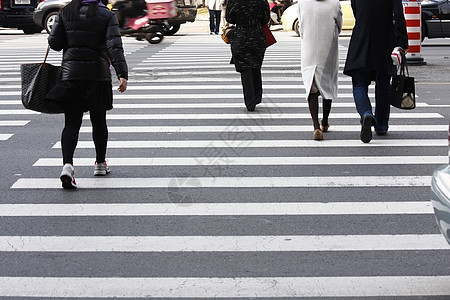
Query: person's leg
column 69, row 140
column 361, row 82
column 211, row 21
column 313, row 105
column 382, row 106
column 217, row 21
column 257, row 85
column 247, row 86
column 326, row 106
column 69, row 136
column 99, row 134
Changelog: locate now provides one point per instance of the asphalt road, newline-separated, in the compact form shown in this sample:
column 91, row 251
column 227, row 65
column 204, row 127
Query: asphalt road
column 206, row 200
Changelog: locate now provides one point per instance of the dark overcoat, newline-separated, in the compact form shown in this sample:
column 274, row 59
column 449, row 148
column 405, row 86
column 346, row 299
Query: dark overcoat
column 248, row 42
column 380, row 26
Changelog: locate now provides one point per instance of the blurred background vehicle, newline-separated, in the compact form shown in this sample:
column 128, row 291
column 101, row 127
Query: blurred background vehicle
column 19, row 14
column 435, row 18
column 277, row 7
column 440, row 196
column 289, row 19
column 47, row 10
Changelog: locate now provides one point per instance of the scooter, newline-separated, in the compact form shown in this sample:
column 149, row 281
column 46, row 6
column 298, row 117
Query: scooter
column 151, row 23
column 142, row 28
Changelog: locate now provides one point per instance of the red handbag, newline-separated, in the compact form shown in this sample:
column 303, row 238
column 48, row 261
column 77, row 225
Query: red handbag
column 269, row 36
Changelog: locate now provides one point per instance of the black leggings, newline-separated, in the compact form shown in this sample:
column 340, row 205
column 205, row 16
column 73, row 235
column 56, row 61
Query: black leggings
column 69, row 136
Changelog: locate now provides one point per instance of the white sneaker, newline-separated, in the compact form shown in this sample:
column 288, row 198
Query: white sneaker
column 67, row 177
column 101, row 169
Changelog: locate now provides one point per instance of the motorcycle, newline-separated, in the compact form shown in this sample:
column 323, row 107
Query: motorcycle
column 146, row 22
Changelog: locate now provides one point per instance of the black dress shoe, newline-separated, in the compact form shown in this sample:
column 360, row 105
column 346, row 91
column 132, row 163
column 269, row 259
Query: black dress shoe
column 366, row 128
column 251, row 108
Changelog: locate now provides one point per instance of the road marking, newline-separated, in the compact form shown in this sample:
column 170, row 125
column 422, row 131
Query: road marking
column 260, row 243
column 233, row 128
column 223, row 160
column 230, row 182
column 11, row 86
column 225, row 287
column 263, row 144
column 227, row 87
column 5, row 136
column 157, row 67
column 226, row 105
column 253, row 116
column 208, row 73
column 216, row 209
column 240, row 105
column 10, row 102
column 14, row 123
column 236, row 79
column 18, row 112
column 236, row 287
column 216, row 97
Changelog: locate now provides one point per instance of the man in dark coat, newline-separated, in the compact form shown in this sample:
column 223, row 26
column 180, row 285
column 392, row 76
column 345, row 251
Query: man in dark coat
column 380, row 27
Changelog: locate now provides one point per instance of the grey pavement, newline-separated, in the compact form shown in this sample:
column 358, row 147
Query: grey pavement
column 208, row 201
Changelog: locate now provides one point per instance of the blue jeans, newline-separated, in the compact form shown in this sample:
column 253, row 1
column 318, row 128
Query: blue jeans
column 214, row 20
column 361, row 81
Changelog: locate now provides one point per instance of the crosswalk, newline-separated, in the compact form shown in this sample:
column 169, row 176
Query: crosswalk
column 206, row 200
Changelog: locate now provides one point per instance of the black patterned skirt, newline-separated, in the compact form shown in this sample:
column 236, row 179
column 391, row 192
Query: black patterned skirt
column 83, row 95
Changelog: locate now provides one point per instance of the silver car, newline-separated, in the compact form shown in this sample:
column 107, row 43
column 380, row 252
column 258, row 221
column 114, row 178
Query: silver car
column 440, row 196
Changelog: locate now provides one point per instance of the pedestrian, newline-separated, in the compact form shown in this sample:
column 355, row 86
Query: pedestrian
column 320, row 22
column 88, row 33
column 222, row 15
column 248, row 45
column 380, row 27
column 215, row 10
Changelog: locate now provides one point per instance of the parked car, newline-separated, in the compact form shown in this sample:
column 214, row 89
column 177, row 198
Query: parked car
column 440, row 196
column 289, row 19
column 435, row 18
column 19, row 14
column 46, row 12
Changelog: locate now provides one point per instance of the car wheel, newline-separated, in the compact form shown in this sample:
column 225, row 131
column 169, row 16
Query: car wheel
column 296, row 29
column 49, row 20
column 172, row 29
column 32, row 29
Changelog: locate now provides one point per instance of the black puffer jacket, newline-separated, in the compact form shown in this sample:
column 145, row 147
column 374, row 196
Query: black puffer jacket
column 89, row 45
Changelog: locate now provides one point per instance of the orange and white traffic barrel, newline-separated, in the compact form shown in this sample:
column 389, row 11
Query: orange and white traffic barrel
column 413, row 12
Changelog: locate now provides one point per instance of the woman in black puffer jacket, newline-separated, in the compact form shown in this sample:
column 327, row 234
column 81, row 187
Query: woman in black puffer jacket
column 88, row 33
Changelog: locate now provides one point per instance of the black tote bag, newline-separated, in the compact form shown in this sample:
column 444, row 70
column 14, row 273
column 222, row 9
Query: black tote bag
column 403, row 94
column 37, row 80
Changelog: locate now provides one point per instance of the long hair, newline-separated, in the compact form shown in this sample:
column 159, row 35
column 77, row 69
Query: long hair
column 71, row 11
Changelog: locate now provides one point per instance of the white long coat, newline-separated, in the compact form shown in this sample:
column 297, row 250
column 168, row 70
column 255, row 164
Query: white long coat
column 320, row 22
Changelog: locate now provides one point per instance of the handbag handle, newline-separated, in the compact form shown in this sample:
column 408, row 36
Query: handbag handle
column 45, row 58
column 404, row 66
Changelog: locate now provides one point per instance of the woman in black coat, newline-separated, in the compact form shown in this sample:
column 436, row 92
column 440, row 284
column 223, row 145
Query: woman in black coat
column 248, row 44
column 380, row 26
column 88, row 33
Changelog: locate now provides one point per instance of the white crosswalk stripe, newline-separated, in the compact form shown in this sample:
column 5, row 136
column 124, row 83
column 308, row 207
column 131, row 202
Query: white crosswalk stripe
column 167, row 202
column 236, row 287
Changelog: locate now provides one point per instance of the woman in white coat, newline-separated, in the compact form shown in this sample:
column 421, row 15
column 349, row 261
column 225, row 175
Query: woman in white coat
column 320, row 22
column 215, row 10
